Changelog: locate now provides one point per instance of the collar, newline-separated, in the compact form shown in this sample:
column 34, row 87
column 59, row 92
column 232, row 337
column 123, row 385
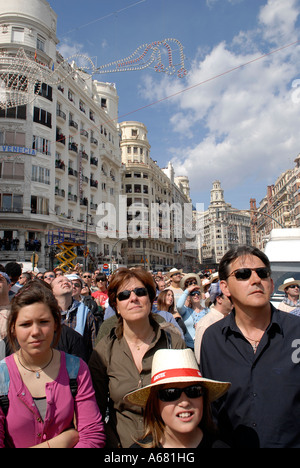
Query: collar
column 290, row 303
column 229, row 325
column 74, row 305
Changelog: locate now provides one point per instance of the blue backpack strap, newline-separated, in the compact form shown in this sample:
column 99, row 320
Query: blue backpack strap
column 4, row 386
column 73, row 364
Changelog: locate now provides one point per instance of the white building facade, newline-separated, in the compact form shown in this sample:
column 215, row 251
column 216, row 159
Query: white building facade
column 224, row 228
column 59, row 153
column 156, row 239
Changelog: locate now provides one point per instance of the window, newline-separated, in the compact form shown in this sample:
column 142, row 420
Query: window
column 11, row 170
column 103, row 103
column 44, row 90
column 40, row 43
column 42, row 117
column 17, row 35
column 11, row 203
column 134, row 133
column 39, row 205
column 12, row 138
column 40, row 174
column 41, row 145
column 14, row 113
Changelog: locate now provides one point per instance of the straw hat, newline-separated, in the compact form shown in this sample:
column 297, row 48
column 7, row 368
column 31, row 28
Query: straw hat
column 288, row 282
column 172, row 272
column 188, row 276
column 173, row 366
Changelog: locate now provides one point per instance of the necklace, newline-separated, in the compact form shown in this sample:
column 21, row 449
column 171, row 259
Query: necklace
column 256, row 342
column 139, row 345
column 37, row 371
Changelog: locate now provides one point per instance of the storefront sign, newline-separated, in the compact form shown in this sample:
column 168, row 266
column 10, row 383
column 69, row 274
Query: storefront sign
column 17, row 149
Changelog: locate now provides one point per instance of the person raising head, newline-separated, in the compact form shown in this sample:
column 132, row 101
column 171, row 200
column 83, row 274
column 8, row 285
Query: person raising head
column 74, row 313
column 41, row 406
column 175, row 276
column 177, row 403
column 221, row 307
column 122, row 359
column 190, row 307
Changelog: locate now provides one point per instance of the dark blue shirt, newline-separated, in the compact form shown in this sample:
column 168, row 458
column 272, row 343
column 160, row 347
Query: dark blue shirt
column 262, row 407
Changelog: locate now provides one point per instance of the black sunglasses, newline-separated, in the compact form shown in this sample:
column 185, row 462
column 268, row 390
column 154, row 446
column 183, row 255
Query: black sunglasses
column 172, row 394
column 195, row 293
column 190, row 283
column 139, row 292
column 243, row 274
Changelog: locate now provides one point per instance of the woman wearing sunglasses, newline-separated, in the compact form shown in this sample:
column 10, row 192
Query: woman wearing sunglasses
column 122, row 360
column 190, row 307
column 177, row 403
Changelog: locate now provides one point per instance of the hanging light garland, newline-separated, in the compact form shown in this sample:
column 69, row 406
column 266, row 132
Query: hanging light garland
column 21, row 76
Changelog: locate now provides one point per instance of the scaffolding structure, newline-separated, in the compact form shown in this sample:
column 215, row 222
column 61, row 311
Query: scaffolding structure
column 66, row 241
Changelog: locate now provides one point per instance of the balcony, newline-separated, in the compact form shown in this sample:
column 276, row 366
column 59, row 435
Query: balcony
column 61, row 115
column 59, row 164
column 94, row 161
column 72, row 198
column 73, row 124
column 73, row 147
column 94, row 141
column 83, row 155
column 60, row 138
column 72, row 172
column 84, row 133
column 94, row 183
column 84, row 201
column 60, row 192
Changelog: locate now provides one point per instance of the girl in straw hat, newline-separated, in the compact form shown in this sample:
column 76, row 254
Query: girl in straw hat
column 177, row 403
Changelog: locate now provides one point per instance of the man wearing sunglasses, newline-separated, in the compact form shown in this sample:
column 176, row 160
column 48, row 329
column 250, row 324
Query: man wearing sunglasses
column 291, row 288
column 253, row 348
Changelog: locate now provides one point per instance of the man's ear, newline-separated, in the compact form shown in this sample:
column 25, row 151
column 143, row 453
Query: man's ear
column 224, row 288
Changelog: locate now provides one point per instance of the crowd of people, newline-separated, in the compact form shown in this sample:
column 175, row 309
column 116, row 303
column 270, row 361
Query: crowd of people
column 147, row 360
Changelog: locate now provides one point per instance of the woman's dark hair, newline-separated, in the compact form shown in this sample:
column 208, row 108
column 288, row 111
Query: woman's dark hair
column 240, row 251
column 35, row 291
column 101, row 277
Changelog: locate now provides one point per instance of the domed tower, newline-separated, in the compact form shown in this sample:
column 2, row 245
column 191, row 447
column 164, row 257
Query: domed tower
column 217, row 194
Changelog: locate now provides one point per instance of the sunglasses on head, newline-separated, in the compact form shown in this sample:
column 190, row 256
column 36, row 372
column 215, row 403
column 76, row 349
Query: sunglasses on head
column 139, row 292
column 243, row 274
column 172, row 394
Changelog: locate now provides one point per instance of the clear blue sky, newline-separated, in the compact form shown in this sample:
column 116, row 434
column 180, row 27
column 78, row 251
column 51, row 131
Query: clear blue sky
column 241, row 126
